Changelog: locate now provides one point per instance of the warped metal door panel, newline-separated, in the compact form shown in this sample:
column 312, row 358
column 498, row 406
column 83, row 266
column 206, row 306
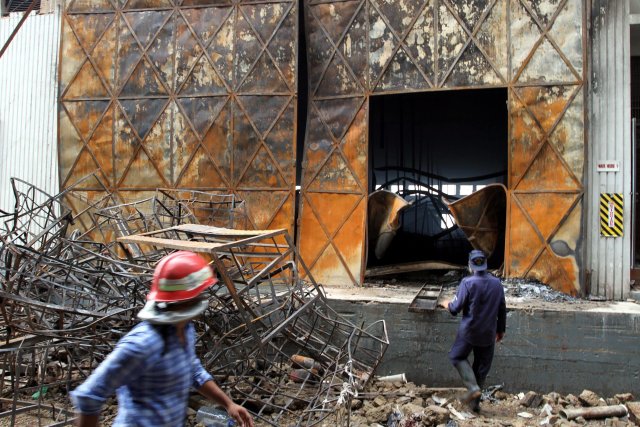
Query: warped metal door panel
column 198, row 94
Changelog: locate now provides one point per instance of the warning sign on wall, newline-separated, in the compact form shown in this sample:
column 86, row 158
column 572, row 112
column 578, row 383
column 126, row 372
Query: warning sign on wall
column 611, row 214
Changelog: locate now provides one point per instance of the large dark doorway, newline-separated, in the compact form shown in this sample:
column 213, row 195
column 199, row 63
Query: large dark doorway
column 425, row 147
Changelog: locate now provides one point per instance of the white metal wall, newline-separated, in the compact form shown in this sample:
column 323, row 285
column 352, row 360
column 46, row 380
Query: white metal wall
column 609, row 259
column 28, row 108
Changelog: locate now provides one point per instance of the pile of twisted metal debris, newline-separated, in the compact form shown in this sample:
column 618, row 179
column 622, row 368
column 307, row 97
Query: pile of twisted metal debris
column 74, row 271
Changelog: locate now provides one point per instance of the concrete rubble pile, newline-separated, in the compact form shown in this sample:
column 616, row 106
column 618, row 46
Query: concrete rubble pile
column 75, row 269
column 398, row 404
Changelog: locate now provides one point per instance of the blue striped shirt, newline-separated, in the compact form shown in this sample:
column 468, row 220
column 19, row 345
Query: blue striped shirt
column 151, row 381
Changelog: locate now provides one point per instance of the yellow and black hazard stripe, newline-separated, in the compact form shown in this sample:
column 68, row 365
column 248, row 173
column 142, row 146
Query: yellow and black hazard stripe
column 611, row 214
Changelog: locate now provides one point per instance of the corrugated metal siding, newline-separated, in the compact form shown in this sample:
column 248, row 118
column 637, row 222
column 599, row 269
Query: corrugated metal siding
column 28, row 88
column 610, row 139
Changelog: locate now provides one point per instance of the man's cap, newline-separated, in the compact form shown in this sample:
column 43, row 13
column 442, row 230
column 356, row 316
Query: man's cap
column 477, row 260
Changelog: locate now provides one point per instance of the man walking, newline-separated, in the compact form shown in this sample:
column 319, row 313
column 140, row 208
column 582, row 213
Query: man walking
column 480, row 298
column 153, row 367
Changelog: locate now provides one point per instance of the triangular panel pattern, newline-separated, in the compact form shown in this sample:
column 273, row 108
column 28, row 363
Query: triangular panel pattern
column 125, row 145
column 206, row 22
column 69, row 50
column 202, row 111
column 311, row 244
column 354, row 145
column 402, row 74
column 336, row 22
column 451, row 45
column 265, row 17
column 200, row 172
column 546, row 65
column 350, row 239
column 142, row 174
column 524, row 35
column 335, row 175
column 472, row 69
column 85, row 115
column 492, row 37
column 203, row 80
column 337, row 80
column 547, row 209
column 547, row 173
column 73, row 144
column 86, row 84
column 187, row 51
column 333, row 209
column 568, row 135
column 262, row 172
column 544, row 10
column 354, row 47
column 160, row 53
column 85, row 164
column 158, row 142
column 101, row 145
column 317, row 151
column 559, row 272
column 421, row 42
column 567, row 32
column 546, row 103
column 338, row 113
column 381, row 45
column 129, row 54
column 470, row 11
column 218, row 141
column 221, row 50
column 263, row 110
column 399, row 14
column 143, row 82
column 263, row 206
column 89, row 28
column 525, row 139
column 104, row 56
column 146, row 24
column 143, row 113
column 283, row 48
column 264, row 77
column 330, row 269
column 524, row 243
column 248, row 51
column 280, row 142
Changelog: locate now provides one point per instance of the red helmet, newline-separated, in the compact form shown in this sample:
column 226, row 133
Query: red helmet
column 180, row 276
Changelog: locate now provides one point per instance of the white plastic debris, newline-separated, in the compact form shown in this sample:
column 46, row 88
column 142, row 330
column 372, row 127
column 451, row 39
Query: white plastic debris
column 439, row 400
column 525, row 415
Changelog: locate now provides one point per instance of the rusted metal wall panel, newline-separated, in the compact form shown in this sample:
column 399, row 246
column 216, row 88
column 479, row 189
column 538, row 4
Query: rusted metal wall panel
column 534, row 48
column 193, row 94
column 28, row 87
column 609, row 260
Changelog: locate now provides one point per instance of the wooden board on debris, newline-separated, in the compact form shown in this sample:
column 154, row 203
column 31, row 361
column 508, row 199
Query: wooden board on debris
column 426, row 299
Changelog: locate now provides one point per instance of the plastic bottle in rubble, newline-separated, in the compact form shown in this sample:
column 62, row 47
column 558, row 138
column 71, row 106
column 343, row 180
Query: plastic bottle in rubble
column 213, row 416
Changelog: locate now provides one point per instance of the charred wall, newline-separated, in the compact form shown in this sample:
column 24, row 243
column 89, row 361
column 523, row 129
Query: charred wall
column 534, row 49
column 193, row 94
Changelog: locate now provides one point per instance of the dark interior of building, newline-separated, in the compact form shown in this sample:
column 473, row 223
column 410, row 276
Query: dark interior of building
column 429, row 146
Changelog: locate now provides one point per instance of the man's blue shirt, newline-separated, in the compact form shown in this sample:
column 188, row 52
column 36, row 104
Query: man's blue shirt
column 480, row 298
column 151, row 378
